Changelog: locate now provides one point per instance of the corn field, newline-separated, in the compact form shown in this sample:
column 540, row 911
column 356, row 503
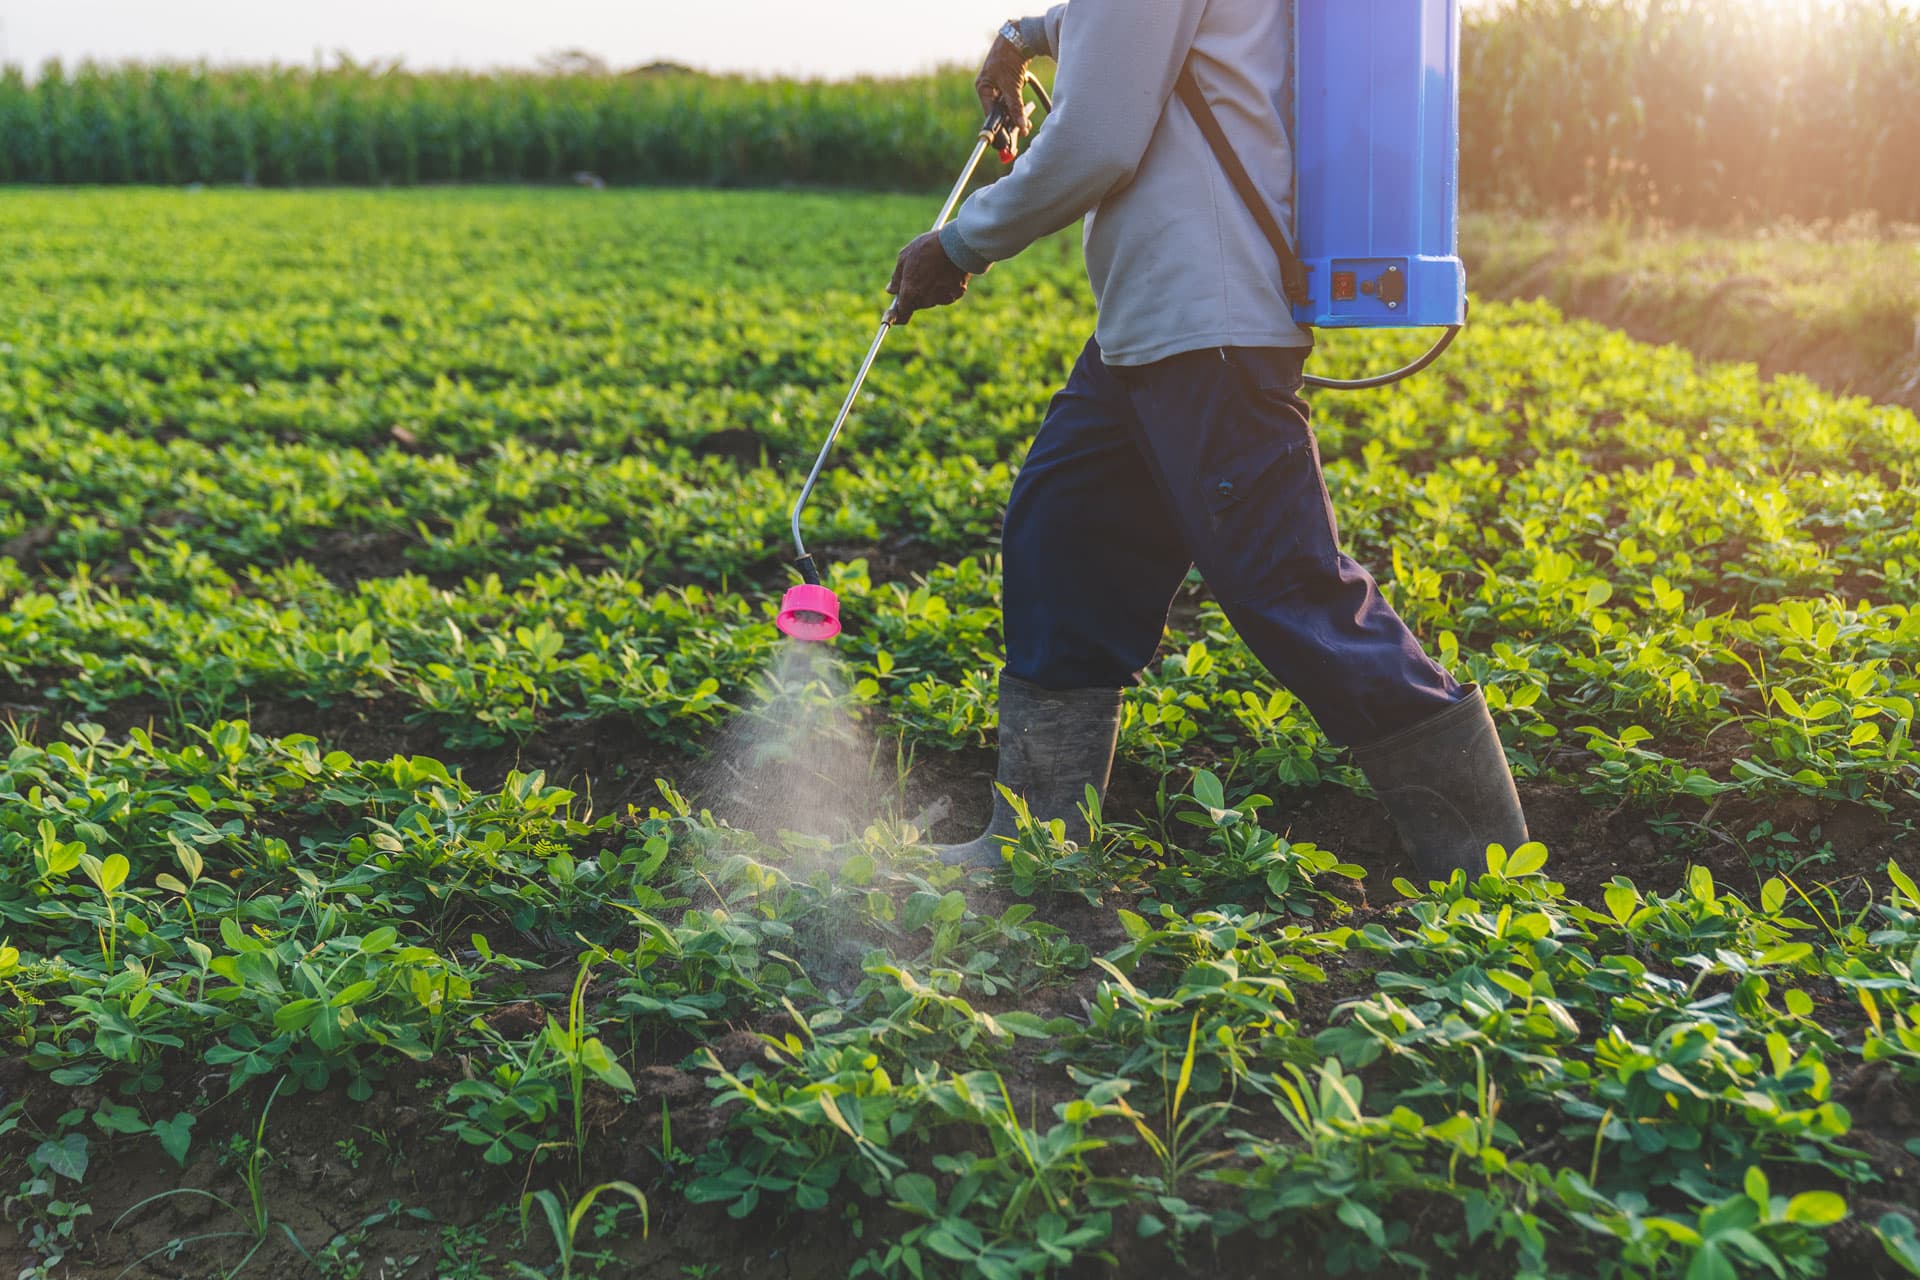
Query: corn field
column 1705, row 111
column 355, row 125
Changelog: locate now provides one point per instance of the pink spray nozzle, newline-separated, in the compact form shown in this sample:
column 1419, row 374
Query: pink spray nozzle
column 810, row 613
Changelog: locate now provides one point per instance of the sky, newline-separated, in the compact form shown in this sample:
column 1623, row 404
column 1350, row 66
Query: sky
column 769, row 37
column 784, row 37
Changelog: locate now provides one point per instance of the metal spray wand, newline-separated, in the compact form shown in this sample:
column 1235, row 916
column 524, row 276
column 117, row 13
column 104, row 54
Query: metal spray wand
column 811, row 611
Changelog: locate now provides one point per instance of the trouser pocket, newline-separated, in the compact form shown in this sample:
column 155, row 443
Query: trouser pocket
column 1268, row 518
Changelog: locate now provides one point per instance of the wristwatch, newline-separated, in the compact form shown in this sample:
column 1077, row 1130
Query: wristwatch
column 1010, row 32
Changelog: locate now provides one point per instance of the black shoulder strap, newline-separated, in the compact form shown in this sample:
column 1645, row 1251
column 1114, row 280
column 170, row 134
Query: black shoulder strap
column 1293, row 275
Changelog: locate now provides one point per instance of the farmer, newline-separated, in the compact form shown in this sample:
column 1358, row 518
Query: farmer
column 1181, row 437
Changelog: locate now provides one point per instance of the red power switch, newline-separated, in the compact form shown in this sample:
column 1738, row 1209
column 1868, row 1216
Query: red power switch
column 1344, row 285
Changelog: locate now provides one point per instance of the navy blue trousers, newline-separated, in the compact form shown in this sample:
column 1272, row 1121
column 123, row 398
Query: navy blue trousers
column 1138, row 474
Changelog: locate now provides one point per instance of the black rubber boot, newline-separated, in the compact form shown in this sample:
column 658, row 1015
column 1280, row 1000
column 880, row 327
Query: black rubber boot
column 1052, row 747
column 1446, row 784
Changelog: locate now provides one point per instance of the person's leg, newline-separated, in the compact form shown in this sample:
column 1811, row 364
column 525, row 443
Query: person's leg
column 1228, row 437
column 1091, row 559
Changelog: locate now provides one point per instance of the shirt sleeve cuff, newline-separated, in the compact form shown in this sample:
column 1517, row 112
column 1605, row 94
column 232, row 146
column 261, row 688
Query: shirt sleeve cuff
column 1034, row 32
column 963, row 255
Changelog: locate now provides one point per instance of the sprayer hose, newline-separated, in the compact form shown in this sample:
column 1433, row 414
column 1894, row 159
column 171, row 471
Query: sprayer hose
column 1388, row 379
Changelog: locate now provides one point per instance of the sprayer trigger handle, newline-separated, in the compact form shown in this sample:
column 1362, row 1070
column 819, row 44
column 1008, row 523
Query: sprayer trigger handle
column 999, row 131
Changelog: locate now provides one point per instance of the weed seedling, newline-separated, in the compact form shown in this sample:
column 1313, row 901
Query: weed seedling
column 1181, row 1131
column 256, row 1221
column 564, row 1225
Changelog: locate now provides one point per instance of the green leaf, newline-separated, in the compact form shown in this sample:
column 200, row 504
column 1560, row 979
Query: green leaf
column 1363, row 1220
column 918, row 1192
column 1755, row 1250
column 1773, row 896
column 1816, row 1208
column 113, row 872
column 601, row 1063
column 175, row 1136
column 119, row 1118
column 1481, row 1214
column 1898, row 1236
column 295, row 1015
column 1186, row 1065
column 1021, row 1023
column 944, row 1240
column 556, row 1220
column 66, row 1158
column 1711, row 1263
column 624, row 1188
column 831, row 1110
column 1510, row 982
column 189, row 858
column 1779, row 1053
column 1905, row 884
column 1526, row 860
column 108, row 874
column 1622, row 901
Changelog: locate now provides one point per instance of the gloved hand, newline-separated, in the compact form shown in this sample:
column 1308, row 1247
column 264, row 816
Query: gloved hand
column 924, row 277
column 1001, row 85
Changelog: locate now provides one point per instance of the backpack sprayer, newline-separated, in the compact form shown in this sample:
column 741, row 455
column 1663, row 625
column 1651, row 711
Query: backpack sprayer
column 1374, row 115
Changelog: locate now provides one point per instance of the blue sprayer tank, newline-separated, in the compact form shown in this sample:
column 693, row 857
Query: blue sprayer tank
column 1376, row 134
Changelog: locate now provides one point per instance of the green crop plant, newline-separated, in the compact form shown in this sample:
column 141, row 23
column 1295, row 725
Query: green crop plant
column 507, row 1108
column 1751, row 1228
column 369, row 647
column 1346, row 1168
column 1239, row 853
column 1030, row 1205
column 821, row 1114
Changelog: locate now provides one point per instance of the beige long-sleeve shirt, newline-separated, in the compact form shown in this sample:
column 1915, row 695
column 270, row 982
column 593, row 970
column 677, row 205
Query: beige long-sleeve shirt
column 1176, row 260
